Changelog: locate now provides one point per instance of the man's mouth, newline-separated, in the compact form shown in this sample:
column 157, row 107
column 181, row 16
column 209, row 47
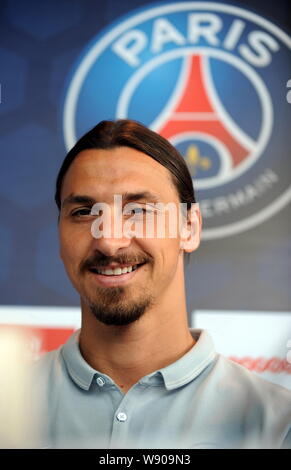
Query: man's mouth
column 115, row 270
column 114, row 275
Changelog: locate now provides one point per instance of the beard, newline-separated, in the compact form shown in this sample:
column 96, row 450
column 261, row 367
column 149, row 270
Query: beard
column 112, row 307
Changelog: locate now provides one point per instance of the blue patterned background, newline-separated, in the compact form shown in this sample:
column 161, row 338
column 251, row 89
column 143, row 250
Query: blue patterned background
column 40, row 43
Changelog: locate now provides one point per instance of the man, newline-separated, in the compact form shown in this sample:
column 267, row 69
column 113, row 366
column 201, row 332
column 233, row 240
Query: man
column 135, row 376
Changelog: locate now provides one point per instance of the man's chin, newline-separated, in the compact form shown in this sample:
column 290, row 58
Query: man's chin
column 118, row 313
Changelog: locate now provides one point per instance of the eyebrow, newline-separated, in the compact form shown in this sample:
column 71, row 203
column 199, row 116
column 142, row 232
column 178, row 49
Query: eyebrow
column 147, row 195
column 77, row 199
column 127, row 197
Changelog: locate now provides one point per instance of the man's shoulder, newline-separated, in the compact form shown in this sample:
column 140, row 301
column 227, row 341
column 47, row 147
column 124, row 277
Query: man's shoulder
column 49, row 358
column 55, row 358
column 239, row 377
column 259, row 401
column 48, row 363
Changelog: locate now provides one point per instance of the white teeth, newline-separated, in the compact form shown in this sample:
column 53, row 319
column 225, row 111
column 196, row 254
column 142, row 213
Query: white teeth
column 108, row 271
column 116, row 271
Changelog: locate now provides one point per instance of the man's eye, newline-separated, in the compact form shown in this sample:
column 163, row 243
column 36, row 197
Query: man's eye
column 81, row 212
column 138, row 211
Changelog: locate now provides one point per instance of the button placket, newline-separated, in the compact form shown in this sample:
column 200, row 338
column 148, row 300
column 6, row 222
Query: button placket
column 121, row 419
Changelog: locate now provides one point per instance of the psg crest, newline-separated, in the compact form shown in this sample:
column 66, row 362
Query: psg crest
column 211, row 78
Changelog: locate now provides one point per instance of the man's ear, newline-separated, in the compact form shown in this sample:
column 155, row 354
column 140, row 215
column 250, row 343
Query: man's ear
column 191, row 229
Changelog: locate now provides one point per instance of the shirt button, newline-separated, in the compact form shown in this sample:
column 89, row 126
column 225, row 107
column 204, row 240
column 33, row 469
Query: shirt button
column 100, row 381
column 121, row 417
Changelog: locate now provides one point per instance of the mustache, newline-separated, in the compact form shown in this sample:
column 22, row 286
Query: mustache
column 102, row 261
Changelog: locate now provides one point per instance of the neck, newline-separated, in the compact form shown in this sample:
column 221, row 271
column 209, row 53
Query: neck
column 128, row 353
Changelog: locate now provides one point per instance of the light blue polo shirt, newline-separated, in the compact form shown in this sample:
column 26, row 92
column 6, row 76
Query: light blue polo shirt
column 202, row 400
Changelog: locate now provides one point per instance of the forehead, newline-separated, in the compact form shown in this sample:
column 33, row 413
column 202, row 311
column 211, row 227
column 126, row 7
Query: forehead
column 111, row 171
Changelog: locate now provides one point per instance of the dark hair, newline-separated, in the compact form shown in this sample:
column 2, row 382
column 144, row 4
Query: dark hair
column 128, row 133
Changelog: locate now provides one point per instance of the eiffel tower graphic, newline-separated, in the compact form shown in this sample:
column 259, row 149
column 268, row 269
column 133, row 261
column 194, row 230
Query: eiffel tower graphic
column 194, row 109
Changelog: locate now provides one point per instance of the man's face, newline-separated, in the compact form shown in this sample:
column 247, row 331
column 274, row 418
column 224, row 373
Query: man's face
column 97, row 176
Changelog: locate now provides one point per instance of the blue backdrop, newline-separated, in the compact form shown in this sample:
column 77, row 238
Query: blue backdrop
column 42, row 46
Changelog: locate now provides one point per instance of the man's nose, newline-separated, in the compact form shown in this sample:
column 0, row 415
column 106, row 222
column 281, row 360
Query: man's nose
column 108, row 237
column 110, row 246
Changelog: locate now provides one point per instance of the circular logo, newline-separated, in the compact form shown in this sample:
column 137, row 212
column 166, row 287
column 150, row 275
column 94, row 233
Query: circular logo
column 211, row 79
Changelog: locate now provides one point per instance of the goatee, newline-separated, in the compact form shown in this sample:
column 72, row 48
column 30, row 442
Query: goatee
column 113, row 310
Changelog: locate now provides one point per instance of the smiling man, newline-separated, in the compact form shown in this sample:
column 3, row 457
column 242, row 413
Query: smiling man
column 135, row 375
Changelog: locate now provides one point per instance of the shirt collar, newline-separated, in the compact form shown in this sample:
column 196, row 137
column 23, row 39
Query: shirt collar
column 189, row 366
column 179, row 373
column 79, row 370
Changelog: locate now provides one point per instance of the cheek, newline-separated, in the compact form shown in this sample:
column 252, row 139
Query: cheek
column 166, row 255
column 172, row 250
column 64, row 242
column 71, row 246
